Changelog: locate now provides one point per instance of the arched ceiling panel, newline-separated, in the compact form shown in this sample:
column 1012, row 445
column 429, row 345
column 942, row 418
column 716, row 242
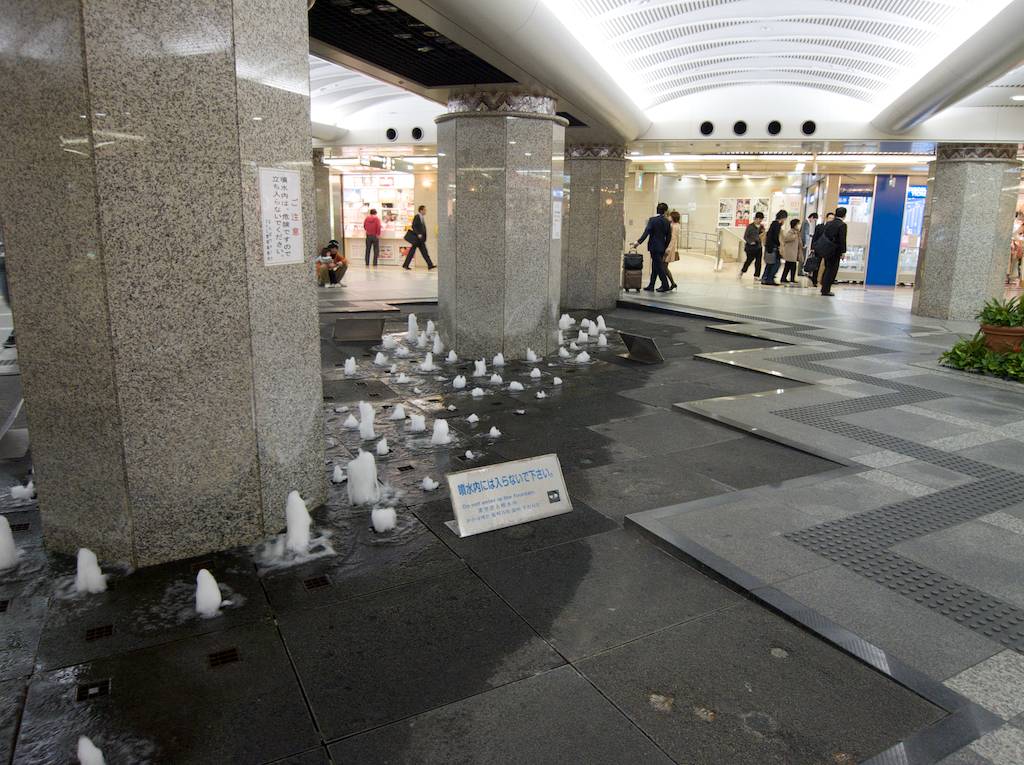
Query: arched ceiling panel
column 862, row 49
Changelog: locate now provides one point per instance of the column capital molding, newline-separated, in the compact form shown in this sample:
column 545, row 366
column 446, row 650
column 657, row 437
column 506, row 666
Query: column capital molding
column 501, row 102
column 595, row 151
column 976, row 152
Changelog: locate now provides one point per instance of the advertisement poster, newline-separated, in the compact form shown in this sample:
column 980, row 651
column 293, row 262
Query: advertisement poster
column 743, row 213
column 760, row 206
column 726, row 212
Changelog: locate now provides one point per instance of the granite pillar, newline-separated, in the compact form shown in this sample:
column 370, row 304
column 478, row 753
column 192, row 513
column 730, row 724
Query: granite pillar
column 322, row 196
column 500, row 186
column 967, row 227
column 593, row 228
column 171, row 379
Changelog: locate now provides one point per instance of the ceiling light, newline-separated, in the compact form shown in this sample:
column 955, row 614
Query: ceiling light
column 634, row 152
column 734, row 166
column 1017, row 98
column 670, row 166
column 869, row 167
column 799, row 167
column 424, row 49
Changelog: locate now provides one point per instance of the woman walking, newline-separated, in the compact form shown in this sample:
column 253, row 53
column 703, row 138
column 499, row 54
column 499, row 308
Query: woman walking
column 791, row 246
column 672, row 253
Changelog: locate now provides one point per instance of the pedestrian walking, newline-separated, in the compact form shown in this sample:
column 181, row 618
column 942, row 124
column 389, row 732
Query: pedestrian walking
column 417, row 237
column 752, row 243
column 658, row 233
column 772, row 249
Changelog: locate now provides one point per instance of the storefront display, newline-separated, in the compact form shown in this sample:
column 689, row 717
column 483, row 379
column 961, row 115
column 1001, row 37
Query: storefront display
column 913, row 227
column 392, row 196
column 857, row 199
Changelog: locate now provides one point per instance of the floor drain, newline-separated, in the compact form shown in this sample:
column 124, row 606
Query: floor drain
column 90, row 691
column 434, row 398
column 316, row 582
column 497, row 403
column 95, row 633
column 3, row 606
column 373, row 395
column 19, row 527
column 199, row 565
column 328, row 398
column 405, row 468
column 360, row 384
column 220, row 658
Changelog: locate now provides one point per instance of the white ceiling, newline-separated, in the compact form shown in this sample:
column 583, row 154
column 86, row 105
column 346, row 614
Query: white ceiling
column 347, row 98
column 662, row 51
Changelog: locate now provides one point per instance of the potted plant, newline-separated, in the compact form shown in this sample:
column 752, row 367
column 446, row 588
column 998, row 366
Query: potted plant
column 1002, row 324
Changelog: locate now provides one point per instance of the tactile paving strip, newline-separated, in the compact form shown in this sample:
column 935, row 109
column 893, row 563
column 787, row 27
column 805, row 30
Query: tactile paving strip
column 859, row 542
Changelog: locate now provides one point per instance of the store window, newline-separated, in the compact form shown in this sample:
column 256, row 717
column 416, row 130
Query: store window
column 913, row 228
column 392, row 196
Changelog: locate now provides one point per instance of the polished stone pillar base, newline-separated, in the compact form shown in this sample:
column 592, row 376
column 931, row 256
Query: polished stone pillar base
column 500, row 183
column 968, row 222
column 171, row 379
column 593, row 231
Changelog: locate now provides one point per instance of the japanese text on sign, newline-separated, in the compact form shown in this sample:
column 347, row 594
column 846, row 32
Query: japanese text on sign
column 496, row 496
column 280, row 216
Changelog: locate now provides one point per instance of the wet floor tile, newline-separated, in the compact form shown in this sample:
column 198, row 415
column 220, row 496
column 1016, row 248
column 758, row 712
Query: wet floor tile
column 382, row 657
column 553, row 718
column 228, row 696
column 746, row 687
column 623, row 588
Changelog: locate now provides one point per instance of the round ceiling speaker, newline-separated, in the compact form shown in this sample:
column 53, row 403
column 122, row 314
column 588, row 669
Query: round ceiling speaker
column 707, row 128
column 739, row 127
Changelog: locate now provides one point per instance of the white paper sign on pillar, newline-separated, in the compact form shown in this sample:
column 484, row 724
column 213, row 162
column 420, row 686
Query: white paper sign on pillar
column 496, row 496
column 280, row 216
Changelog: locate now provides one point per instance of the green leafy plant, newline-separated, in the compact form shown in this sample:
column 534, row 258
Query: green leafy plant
column 971, row 355
column 1002, row 313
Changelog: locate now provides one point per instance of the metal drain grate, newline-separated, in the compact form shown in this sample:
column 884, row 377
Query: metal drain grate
column 220, row 658
column 3, row 606
column 405, row 468
column 16, row 527
column 316, row 582
column 90, row 691
column 97, row 633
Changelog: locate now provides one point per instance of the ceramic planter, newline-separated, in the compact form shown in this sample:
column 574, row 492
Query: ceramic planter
column 1002, row 339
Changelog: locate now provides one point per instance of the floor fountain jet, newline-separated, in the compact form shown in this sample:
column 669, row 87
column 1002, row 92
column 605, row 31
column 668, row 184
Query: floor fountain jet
column 8, row 550
column 362, row 479
column 88, row 576
column 208, row 599
column 298, row 521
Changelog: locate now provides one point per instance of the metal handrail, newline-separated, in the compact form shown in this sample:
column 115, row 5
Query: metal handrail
column 726, row 249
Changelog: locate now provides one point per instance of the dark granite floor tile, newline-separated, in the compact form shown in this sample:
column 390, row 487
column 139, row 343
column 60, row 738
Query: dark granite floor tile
column 745, row 687
column 316, row 756
column 656, row 434
column 576, row 447
column 749, row 461
column 625, row 588
column 191, row 701
column 21, row 624
column 363, row 561
column 553, row 718
column 582, row 521
column 396, row 653
column 646, row 483
column 147, row 607
column 350, row 391
column 12, row 700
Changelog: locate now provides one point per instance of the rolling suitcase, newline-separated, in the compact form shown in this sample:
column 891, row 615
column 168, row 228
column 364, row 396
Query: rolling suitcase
column 632, row 271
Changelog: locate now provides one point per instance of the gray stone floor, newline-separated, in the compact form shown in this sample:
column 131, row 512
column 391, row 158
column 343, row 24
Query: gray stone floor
column 918, row 546
column 573, row 638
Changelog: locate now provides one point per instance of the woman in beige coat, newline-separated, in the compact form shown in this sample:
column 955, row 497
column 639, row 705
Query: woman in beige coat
column 791, row 245
column 671, row 254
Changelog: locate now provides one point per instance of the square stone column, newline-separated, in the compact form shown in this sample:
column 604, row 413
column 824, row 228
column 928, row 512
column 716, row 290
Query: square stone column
column 500, row 185
column 968, row 221
column 594, row 227
column 171, row 379
column 322, row 196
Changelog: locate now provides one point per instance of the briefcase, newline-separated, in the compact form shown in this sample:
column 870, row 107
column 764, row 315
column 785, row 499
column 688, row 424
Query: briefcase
column 632, row 261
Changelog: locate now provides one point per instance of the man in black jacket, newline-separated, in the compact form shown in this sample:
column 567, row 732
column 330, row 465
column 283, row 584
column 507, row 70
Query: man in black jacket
column 752, row 245
column 658, row 232
column 831, row 246
column 419, row 228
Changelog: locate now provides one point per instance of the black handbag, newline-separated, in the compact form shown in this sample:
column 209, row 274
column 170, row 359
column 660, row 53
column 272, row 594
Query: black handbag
column 411, row 237
column 812, row 264
column 632, row 261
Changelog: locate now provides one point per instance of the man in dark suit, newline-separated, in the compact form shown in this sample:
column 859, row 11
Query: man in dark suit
column 831, row 246
column 419, row 228
column 818, row 228
column 658, row 232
